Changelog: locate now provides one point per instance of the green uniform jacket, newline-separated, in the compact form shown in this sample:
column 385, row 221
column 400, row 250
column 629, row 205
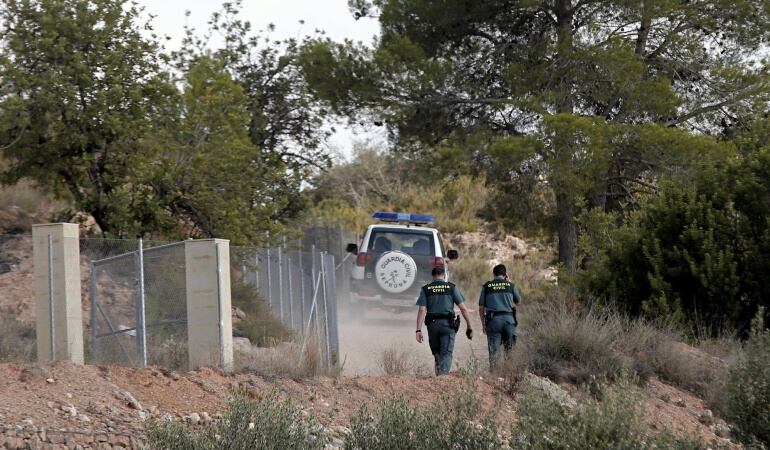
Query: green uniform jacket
column 440, row 297
column 499, row 295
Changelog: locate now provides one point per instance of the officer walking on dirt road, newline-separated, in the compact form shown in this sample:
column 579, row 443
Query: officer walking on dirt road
column 436, row 301
column 498, row 313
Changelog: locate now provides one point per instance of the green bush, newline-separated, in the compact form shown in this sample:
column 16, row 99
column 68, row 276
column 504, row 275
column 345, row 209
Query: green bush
column 451, row 423
column 748, row 389
column 612, row 423
column 266, row 424
column 698, row 251
column 259, row 326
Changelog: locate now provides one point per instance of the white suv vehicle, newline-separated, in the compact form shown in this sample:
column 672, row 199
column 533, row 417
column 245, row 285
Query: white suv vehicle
column 394, row 261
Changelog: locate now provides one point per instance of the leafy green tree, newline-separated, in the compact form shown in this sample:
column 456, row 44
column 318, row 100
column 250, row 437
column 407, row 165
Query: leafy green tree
column 209, row 177
column 91, row 108
column 581, row 77
column 700, row 250
column 284, row 120
column 372, row 180
column 80, row 88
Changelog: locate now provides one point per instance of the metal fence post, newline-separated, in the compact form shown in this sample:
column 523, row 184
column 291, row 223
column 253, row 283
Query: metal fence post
column 52, row 316
column 315, row 270
column 280, row 281
column 256, row 270
column 141, row 329
column 269, row 282
column 302, row 289
column 94, row 300
column 219, row 309
column 316, row 284
column 334, row 342
column 326, row 308
column 291, row 297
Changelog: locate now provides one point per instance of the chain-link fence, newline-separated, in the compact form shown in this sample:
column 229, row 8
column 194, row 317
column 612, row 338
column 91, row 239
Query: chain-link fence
column 134, row 295
column 333, row 239
column 17, row 299
column 137, row 297
column 299, row 288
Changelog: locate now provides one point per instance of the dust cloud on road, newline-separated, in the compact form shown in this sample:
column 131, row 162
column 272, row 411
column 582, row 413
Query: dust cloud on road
column 362, row 343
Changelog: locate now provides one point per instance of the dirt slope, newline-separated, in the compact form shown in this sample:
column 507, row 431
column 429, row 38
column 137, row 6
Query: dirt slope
column 36, row 395
column 64, row 396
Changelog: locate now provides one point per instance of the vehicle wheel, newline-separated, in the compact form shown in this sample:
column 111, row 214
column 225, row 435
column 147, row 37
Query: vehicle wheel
column 395, row 272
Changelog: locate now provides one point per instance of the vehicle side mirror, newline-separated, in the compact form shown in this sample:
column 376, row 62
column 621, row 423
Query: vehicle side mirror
column 351, row 248
column 452, row 254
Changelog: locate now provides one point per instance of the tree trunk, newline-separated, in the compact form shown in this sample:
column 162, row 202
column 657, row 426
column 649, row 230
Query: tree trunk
column 566, row 227
column 565, row 202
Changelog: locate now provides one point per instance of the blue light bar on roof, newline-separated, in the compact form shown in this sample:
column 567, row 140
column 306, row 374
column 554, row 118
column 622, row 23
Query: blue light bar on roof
column 404, row 217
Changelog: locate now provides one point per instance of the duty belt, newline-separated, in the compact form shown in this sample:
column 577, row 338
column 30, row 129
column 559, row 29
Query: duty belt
column 432, row 317
column 492, row 314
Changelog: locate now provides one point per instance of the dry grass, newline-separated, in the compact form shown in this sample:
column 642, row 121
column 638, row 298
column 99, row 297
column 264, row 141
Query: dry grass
column 24, row 203
column 25, row 196
column 277, row 362
column 570, row 344
column 172, row 353
column 577, row 344
column 513, row 370
column 693, row 370
column 17, row 341
column 397, row 361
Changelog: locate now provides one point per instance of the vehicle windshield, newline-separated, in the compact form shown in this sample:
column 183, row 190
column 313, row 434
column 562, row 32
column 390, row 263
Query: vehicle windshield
column 414, row 243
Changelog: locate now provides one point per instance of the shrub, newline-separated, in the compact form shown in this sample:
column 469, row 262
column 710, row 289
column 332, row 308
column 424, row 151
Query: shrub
column 171, row 353
column 17, row 340
column 748, row 389
column 698, row 250
column 448, row 424
column 266, row 424
column 513, row 370
column 690, row 369
column 573, row 344
column 611, row 423
column 396, row 361
column 259, row 326
column 287, row 360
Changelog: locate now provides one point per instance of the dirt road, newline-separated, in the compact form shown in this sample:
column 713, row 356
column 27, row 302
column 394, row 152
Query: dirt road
column 362, row 343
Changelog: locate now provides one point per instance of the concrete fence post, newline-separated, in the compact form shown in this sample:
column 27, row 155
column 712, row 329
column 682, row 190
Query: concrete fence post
column 59, row 316
column 209, row 314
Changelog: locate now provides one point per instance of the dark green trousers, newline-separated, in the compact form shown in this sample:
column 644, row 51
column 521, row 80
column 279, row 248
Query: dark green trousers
column 501, row 331
column 441, row 337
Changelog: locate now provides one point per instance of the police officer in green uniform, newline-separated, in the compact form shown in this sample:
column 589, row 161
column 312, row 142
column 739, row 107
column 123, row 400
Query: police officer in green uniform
column 498, row 313
column 436, row 301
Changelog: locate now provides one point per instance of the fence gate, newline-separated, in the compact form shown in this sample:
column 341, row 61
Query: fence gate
column 139, row 307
